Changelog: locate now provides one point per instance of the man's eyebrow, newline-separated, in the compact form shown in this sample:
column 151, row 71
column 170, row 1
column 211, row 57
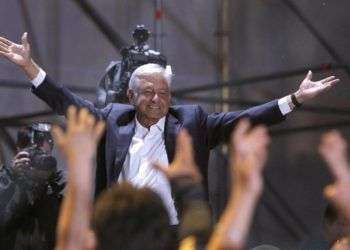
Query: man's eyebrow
column 148, row 88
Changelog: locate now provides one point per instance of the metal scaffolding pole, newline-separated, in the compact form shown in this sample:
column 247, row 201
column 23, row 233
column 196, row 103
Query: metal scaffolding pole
column 106, row 29
column 223, row 50
column 158, row 25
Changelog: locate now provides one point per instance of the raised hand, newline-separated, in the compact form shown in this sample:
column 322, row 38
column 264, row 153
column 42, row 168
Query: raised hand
column 20, row 55
column 16, row 53
column 21, row 163
column 183, row 164
column 248, row 157
column 80, row 139
column 333, row 149
column 309, row 89
column 78, row 144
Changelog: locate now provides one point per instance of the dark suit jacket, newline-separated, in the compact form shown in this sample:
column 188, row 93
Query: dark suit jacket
column 207, row 130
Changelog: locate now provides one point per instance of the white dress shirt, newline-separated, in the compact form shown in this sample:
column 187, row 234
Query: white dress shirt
column 147, row 146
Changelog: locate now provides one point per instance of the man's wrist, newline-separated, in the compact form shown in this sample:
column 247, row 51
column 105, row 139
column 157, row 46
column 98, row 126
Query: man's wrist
column 299, row 97
column 31, row 69
column 248, row 192
column 295, row 101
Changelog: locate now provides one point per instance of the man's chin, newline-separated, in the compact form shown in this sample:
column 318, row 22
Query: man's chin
column 154, row 114
column 154, row 117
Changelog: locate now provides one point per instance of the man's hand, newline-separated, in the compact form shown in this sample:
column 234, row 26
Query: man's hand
column 183, row 164
column 80, row 139
column 309, row 89
column 20, row 55
column 333, row 150
column 16, row 53
column 248, row 157
column 21, row 163
column 78, row 144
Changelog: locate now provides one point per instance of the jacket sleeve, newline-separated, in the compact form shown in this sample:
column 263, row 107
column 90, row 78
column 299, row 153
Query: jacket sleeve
column 220, row 125
column 59, row 98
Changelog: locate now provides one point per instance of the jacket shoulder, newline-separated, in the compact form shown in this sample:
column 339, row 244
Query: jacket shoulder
column 185, row 112
column 185, row 108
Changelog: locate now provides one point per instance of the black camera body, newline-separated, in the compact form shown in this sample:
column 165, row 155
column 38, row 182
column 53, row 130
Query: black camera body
column 40, row 159
column 114, row 84
column 36, row 134
column 32, row 140
column 40, row 168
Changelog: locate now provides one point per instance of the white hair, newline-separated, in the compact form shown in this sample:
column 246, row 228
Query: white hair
column 150, row 69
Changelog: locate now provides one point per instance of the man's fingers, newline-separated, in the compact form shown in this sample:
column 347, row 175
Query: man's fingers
column 331, row 83
column 99, row 129
column 90, row 122
column 4, row 45
column 22, row 160
column 161, row 168
column 240, row 130
column 24, row 40
column 22, row 154
column 333, row 149
column 57, row 134
column 330, row 192
column 83, row 118
column 4, row 49
column 339, row 171
column 185, row 145
column 7, row 55
column 309, row 75
column 4, row 40
column 259, row 138
column 325, row 80
column 2, row 53
column 71, row 117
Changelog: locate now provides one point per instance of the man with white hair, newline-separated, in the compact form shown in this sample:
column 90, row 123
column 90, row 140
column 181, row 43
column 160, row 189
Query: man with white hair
column 145, row 131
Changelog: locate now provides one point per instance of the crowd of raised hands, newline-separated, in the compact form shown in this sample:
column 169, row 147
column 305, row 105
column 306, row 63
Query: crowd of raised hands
column 248, row 155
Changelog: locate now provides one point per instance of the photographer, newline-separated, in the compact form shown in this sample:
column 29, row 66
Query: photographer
column 30, row 192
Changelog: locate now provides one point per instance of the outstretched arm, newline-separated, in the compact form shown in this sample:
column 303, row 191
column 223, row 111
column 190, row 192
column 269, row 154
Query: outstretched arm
column 220, row 125
column 78, row 145
column 56, row 96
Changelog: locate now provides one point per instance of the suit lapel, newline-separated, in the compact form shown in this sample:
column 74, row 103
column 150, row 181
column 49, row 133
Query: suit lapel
column 123, row 136
column 172, row 127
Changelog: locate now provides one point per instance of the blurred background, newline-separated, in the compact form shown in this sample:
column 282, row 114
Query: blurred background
column 226, row 55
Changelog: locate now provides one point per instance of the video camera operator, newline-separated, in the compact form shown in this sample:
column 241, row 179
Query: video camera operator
column 30, row 192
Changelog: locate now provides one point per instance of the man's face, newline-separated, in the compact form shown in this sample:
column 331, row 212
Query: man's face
column 151, row 98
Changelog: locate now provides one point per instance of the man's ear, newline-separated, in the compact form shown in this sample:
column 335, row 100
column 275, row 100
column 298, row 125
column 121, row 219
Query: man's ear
column 131, row 94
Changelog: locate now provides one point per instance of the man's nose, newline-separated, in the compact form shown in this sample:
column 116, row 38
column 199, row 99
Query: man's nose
column 155, row 97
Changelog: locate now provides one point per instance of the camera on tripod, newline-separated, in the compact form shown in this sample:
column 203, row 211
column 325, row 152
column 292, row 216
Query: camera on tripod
column 114, row 84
